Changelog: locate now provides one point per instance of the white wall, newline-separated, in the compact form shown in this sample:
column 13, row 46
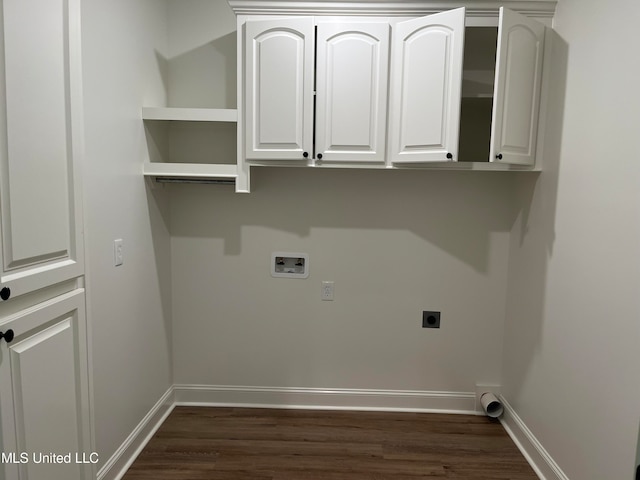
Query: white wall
column 394, row 242
column 129, row 311
column 573, row 330
column 202, row 54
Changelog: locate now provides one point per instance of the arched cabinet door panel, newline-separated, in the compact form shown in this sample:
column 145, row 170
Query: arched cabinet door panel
column 278, row 76
column 44, row 397
column 426, row 65
column 351, row 83
column 516, row 96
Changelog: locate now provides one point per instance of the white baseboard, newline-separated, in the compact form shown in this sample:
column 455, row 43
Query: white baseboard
column 121, row 460
column 329, row 399
column 539, row 459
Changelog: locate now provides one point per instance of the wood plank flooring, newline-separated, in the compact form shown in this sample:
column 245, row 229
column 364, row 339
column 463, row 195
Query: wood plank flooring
column 199, row 443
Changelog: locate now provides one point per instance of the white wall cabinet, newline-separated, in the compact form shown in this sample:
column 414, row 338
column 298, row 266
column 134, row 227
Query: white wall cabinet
column 351, row 89
column 427, row 72
column 348, row 77
column 40, row 145
column 44, row 404
column 363, row 85
column 348, row 88
column 501, row 91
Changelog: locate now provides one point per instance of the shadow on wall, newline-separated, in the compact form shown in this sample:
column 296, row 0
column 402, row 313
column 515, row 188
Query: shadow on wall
column 158, row 207
column 204, row 77
column 456, row 211
column 532, row 247
column 163, row 70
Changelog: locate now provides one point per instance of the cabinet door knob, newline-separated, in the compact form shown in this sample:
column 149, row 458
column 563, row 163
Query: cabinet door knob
column 305, row 154
column 449, row 156
column 5, row 293
column 499, row 156
column 8, row 335
column 319, row 156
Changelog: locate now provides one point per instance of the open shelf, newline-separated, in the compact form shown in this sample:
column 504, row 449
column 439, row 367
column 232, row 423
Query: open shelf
column 476, row 108
column 186, row 171
column 190, row 114
column 181, row 150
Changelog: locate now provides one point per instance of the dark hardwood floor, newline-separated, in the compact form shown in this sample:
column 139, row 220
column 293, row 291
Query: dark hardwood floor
column 196, row 443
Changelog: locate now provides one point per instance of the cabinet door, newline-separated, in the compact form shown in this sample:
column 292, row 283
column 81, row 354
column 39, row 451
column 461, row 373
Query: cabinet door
column 351, row 83
column 279, row 89
column 516, row 97
column 40, row 144
column 426, row 85
column 44, row 392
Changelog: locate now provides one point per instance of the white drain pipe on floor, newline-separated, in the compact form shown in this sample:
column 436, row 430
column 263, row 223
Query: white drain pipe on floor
column 491, row 405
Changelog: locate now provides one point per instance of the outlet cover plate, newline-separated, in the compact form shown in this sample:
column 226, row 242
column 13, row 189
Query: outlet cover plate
column 430, row 319
column 327, row 290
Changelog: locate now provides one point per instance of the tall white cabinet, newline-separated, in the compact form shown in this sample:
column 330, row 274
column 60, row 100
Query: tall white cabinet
column 43, row 359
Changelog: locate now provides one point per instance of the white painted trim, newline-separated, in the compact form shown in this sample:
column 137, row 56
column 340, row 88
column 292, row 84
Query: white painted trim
column 325, row 399
column 410, row 8
column 542, row 463
column 116, row 466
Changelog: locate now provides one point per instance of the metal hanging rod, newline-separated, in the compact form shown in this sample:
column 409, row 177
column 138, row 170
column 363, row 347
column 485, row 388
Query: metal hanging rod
column 211, row 181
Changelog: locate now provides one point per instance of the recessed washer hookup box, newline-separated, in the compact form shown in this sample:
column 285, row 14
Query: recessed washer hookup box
column 289, row 265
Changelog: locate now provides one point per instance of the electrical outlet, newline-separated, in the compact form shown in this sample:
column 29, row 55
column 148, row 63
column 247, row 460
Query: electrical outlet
column 430, row 319
column 118, row 252
column 327, row 291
